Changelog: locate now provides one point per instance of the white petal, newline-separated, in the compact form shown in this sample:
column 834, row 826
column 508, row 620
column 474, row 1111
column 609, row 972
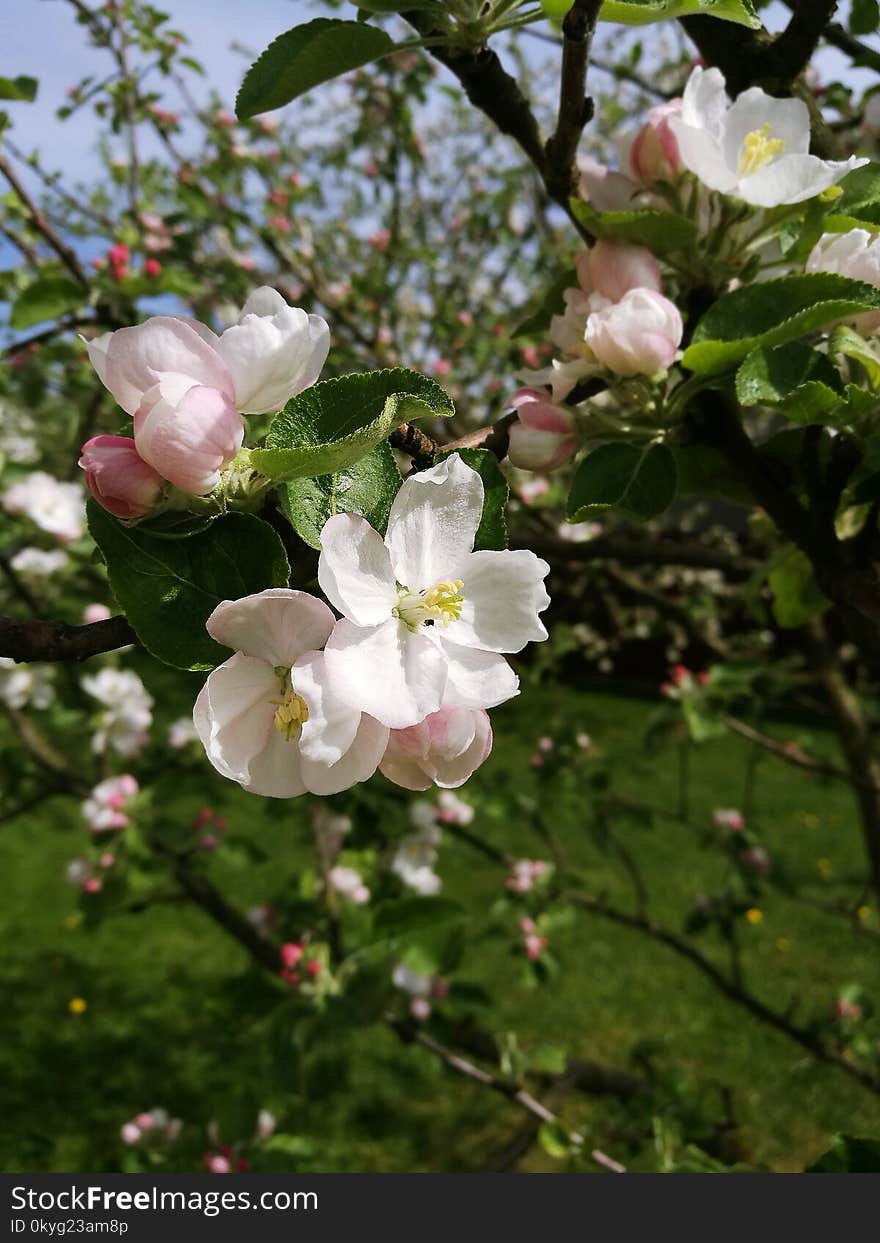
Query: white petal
column 701, row 152
column 503, row 594
column 333, row 722
column 272, row 357
column 276, row 771
column 705, row 101
column 788, row 120
column 354, row 570
column 358, row 764
column 263, row 301
column 277, row 626
column 476, row 679
column 794, row 178
column 137, row 358
column 234, row 716
column 433, row 521
column 405, row 758
column 453, row 771
column 387, row 671
column 97, row 348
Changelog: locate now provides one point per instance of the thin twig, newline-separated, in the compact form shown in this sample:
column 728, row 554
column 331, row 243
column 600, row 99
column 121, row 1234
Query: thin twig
column 575, row 107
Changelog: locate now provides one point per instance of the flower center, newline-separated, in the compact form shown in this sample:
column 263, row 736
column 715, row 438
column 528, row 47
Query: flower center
column 757, row 150
column 442, row 603
column 291, row 712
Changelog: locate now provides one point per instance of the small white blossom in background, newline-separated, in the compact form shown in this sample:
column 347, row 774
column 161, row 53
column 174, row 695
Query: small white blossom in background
column 95, row 613
column 106, row 806
column 756, row 149
column 418, row 988
column 266, row 1123
column 453, row 810
column 524, row 873
column 728, row 818
column 53, row 506
column 533, row 942
column 261, row 917
column 181, row 733
column 152, row 1124
column 23, row 686
column 124, row 725
column 579, row 532
column 38, row 563
column 415, row 858
column 349, row 884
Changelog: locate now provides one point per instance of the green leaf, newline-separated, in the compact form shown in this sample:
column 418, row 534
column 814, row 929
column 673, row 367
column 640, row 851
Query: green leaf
column 860, row 201
column 367, row 487
column 549, row 1059
column 335, row 423
column 395, row 6
column 409, row 915
column 169, row 587
column 772, row 313
column 643, row 482
column 492, row 531
column 555, row 1140
column 802, row 381
column 864, row 16
column 851, row 344
column 865, row 483
column 660, row 231
column 641, row 12
column 21, row 88
column 47, row 298
column 796, row 596
column 848, row 1154
column 306, row 56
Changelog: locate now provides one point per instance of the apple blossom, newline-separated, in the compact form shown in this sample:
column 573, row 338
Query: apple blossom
column 181, row 733
column 728, row 818
column 37, row 562
column 414, row 861
column 756, row 149
column 654, row 154
column 426, row 617
column 603, row 188
column 118, row 477
column 543, row 436
column 56, row 507
column 444, row 749
column 611, row 269
column 23, row 686
column 416, row 983
column 453, row 810
column 349, row 884
column 524, row 873
column 124, row 724
column 105, row 808
column 855, row 254
column 272, row 717
column 639, row 335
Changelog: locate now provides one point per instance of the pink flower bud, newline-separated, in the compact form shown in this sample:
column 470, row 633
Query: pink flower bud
column 106, row 860
column 152, row 267
column 188, row 432
column 639, row 335
column 216, row 1163
column 92, row 884
column 291, row 953
column 654, row 154
column 612, row 269
column 118, row 477
column 543, row 436
column 130, row 1133
column 144, row 1121
column 420, row 1009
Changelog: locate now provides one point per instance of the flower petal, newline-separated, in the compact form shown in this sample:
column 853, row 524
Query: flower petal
column 275, row 772
column 387, row 671
column 277, row 625
column 433, row 521
column 187, row 434
column 234, row 716
column 358, row 764
column 476, row 679
column 456, row 765
column 354, row 570
column 503, row 595
column 794, row 178
column 701, row 153
column 136, row 358
column 333, row 722
column 788, row 121
column 273, row 355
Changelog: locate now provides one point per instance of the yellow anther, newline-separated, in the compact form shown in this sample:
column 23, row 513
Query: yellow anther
column 757, row 150
column 444, row 600
column 291, row 714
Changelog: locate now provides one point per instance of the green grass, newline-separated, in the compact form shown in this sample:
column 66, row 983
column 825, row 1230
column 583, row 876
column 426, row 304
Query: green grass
column 176, row 1017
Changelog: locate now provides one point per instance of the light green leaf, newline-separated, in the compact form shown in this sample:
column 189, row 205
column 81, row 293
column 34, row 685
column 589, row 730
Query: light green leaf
column 335, row 423
column 859, row 204
column 47, row 298
column 641, row 12
column 367, row 487
column 660, row 231
column 169, row 587
column 555, row 1140
column 851, row 344
column 643, row 482
column 492, row 531
column 20, row 88
column 306, row 56
column 796, row 596
column 772, row 313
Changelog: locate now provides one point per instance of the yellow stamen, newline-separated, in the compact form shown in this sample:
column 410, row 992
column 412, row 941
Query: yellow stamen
column 442, row 603
column 758, row 150
column 291, row 714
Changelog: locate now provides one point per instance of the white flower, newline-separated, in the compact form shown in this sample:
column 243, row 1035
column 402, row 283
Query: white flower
column 125, row 722
column 756, row 149
column 37, row 563
column 274, row 352
column 56, row 507
column 23, row 685
column 453, row 810
column 444, row 749
column 105, row 806
column 412, row 982
column 349, row 884
column 271, row 717
column 181, row 733
column 855, row 254
column 414, row 861
column 425, row 617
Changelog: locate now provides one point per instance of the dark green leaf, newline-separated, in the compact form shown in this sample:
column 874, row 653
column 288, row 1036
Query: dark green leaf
column 802, row 381
column 772, row 313
column 864, row 16
column 169, row 587
column 306, row 56
column 21, row 88
column 335, row 423
column 47, row 298
column 492, row 531
column 849, row 1154
column 643, row 482
column 660, row 231
column 367, row 487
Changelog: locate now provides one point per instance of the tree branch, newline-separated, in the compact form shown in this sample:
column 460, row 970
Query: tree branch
column 38, row 219
column 36, row 640
column 575, row 107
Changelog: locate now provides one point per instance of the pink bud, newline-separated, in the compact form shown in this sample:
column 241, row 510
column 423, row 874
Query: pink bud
column 118, row 477
column 639, row 335
column 188, row 433
column 543, row 436
column 654, row 154
column 440, row 989
column 442, row 366
column 107, row 860
column 216, row 1163
column 527, row 925
column 144, row 1121
column 92, row 884
column 612, row 269
column 291, row 953
column 420, row 1009
column 130, row 1133
column 152, row 267
column 313, row 968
